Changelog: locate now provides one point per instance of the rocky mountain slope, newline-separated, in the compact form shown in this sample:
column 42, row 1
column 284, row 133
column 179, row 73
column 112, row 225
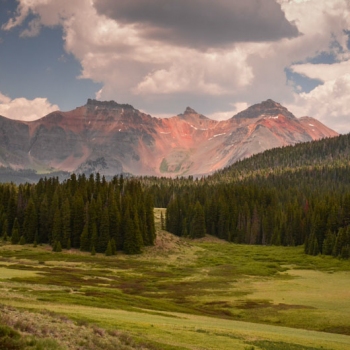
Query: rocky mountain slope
column 112, row 138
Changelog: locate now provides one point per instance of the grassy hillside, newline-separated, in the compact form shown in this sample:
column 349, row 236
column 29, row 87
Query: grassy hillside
column 179, row 294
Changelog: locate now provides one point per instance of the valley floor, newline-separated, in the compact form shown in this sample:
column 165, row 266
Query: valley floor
column 179, row 294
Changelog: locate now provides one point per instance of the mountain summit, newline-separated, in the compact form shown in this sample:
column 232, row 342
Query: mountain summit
column 268, row 107
column 111, row 138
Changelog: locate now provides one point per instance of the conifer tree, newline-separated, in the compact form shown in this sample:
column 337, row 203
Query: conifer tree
column 109, row 250
column 45, row 223
column 66, row 223
column 15, row 232
column 94, row 237
column 5, row 228
column 30, row 222
column 57, row 227
column 85, row 242
column 130, row 241
column 198, row 228
column 78, row 219
column 113, row 246
column 57, row 247
column 104, row 232
column 150, row 225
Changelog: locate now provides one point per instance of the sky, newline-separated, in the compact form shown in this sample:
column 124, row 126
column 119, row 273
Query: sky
column 216, row 56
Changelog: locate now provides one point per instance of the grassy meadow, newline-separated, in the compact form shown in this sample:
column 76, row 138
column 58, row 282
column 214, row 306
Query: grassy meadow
column 179, row 294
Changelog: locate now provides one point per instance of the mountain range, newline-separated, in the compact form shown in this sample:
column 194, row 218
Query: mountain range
column 114, row 138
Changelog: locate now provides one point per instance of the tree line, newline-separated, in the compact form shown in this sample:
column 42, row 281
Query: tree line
column 89, row 214
column 297, row 195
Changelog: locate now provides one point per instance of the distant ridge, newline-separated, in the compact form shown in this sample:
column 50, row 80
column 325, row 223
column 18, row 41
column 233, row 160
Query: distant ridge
column 114, row 138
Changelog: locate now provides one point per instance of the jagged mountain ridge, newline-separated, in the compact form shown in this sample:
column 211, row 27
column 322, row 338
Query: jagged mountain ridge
column 112, row 138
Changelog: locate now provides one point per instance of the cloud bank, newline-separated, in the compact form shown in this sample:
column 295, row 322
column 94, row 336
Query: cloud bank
column 201, row 23
column 24, row 109
column 162, row 55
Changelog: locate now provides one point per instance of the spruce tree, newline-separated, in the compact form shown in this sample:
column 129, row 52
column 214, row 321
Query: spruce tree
column 57, row 226
column 114, row 246
column 94, row 237
column 15, row 232
column 22, row 240
column 30, row 222
column 45, row 222
column 109, row 250
column 130, row 242
column 58, row 247
column 85, row 242
column 66, row 223
column 78, row 219
column 198, row 229
column 104, row 232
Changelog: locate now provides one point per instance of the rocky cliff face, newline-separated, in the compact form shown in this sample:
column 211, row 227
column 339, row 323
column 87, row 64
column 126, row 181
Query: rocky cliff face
column 112, row 138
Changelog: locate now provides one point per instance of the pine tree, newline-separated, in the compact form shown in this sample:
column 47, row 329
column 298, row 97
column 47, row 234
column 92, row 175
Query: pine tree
column 114, row 217
column 45, row 223
column 328, row 243
column 150, row 234
column 85, row 242
column 30, row 222
column 345, row 252
column 78, row 219
column 22, row 240
column 198, row 228
column 109, row 250
column 94, row 237
column 114, row 246
column 130, row 242
column 104, row 232
column 5, row 228
column 66, row 223
column 15, row 232
column 57, row 247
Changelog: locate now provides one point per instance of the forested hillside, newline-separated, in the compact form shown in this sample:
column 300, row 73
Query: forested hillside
column 288, row 196
column 89, row 214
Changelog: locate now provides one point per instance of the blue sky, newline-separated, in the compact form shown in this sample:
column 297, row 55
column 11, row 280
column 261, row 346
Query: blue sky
column 161, row 56
column 39, row 66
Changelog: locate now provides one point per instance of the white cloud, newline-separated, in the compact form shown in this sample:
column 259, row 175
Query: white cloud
column 237, row 107
column 200, row 73
column 136, row 69
column 328, row 102
column 23, row 109
column 323, row 72
column 4, row 99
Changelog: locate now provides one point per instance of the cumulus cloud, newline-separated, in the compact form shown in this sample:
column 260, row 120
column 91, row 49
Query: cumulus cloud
column 23, row 109
column 322, row 72
column 328, row 102
column 236, row 108
column 218, row 53
column 201, row 73
column 201, row 23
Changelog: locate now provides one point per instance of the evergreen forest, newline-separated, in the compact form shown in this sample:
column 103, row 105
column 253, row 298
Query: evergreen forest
column 296, row 195
column 89, row 214
column 290, row 196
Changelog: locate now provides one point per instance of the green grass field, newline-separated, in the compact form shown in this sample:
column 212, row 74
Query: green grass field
column 179, row 294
